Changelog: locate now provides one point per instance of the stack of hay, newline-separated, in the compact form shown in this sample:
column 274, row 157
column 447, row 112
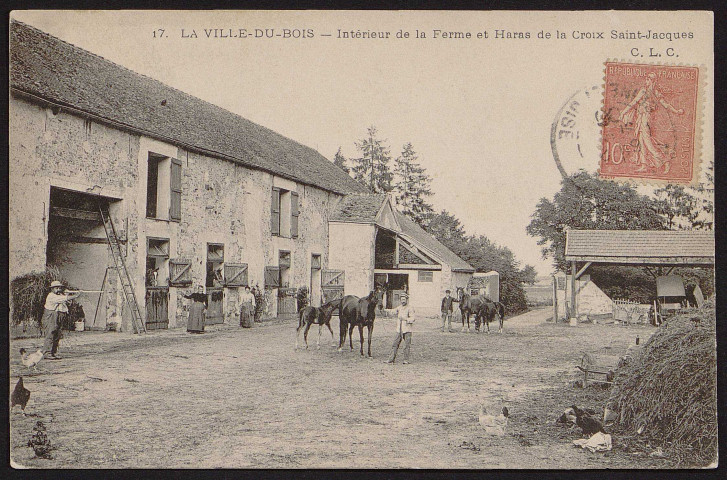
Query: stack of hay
column 667, row 392
column 27, row 295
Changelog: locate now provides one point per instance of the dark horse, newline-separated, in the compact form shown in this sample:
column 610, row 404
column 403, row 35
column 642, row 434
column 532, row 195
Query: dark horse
column 469, row 304
column 358, row 312
column 487, row 314
column 318, row 315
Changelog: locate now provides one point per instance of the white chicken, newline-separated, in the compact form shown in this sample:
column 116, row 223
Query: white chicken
column 494, row 424
column 30, row 360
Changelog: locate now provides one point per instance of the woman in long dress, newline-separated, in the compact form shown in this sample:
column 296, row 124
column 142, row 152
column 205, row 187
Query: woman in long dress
column 247, row 308
column 197, row 310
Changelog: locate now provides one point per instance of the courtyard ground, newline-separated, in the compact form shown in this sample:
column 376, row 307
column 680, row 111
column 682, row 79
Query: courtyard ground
column 243, row 398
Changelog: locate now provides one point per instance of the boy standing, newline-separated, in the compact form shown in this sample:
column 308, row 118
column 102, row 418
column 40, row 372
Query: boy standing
column 447, row 310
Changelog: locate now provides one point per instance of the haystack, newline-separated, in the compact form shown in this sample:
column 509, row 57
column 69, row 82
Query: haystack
column 27, row 295
column 667, row 392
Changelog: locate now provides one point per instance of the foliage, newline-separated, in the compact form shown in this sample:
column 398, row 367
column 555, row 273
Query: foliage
column 301, row 297
column 372, row 168
column 689, row 207
column 260, row 301
column 412, row 186
column 28, row 292
column 340, row 161
column 587, row 202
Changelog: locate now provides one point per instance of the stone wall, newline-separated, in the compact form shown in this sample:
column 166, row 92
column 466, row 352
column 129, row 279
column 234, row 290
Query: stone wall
column 222, row 202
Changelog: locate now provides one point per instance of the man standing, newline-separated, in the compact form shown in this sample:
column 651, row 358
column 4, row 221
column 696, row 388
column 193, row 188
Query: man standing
column 404, row 321
column 55, row 305
column 447, row 310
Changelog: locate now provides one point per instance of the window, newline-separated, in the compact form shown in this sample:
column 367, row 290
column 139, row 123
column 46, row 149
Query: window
column 284, row 213
column 157, row 262
column 235, row 274
column 180, row 272
column 424, row 276
column 215, row 259
column 284, row 263
column 272, row 277
column 315, row 262
column 164, row 188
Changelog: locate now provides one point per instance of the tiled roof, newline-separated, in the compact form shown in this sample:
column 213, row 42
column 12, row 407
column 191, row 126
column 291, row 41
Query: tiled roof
column 46, row 67
column 613, row 245
column 424, row 239
column 358, row 208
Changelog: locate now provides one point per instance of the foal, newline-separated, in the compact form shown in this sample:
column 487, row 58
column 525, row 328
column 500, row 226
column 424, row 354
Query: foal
column 318, row 315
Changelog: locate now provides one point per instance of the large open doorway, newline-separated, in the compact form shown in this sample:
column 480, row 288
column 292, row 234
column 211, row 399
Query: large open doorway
column 77, row 246
column 396, row 285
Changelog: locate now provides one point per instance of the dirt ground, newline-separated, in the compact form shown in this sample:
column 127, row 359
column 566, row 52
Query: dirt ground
column 243, row 398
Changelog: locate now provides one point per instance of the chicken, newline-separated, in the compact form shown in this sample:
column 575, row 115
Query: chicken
column 30, row 360
column 568, row 416
column 588, row 424
column 39, row 441
column 19, row 396
column 494, row 424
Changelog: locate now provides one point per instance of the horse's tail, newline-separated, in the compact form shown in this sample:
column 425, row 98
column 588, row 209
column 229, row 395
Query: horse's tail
column 500, row 310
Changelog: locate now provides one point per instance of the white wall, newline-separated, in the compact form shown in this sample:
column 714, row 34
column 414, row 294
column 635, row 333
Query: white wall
column 351, row 248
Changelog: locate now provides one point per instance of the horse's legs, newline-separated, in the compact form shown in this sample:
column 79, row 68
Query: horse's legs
column 371, row 329
column 360, row 333
column 333, row 340
column 305, row 334
column 341, row 334
column 318, row 345
column 350, row 335
column 297, row 336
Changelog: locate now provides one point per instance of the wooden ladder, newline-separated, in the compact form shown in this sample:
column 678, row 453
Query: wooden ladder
column 126, row 284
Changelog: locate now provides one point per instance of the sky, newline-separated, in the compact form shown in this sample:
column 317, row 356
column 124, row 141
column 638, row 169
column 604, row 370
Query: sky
column 477, row 111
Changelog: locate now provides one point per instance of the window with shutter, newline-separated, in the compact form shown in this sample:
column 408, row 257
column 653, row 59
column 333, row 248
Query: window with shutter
column 180, row 272
column 294, row 213
column 236, row 275
column 275, row 212
column 272, row 277
column 175, row 202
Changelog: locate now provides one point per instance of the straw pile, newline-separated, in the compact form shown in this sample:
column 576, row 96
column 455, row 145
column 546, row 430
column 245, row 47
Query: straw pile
column 27, row 295
column 669, row 389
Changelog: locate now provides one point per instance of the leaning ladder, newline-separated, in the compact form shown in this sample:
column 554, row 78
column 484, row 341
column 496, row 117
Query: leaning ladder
column 126, row 284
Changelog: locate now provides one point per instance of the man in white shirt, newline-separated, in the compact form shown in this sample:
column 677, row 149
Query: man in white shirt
column 55, row 304
column 404, row 322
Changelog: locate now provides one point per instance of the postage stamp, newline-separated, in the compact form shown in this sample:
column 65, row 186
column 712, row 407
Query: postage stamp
column 650, row 123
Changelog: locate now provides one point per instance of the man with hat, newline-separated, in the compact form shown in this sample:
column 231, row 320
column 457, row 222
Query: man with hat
column 404, row 321
column 447, row 310
column 55, row 305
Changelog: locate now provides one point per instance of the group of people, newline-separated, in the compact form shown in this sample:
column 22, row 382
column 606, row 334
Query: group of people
column 198, row 309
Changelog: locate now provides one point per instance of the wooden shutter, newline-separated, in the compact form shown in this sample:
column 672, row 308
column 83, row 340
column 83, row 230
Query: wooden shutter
column 294, row 213
column 275, row 212
column 175, row 204
column 272, row 277
column 235, row 274
column 180, row 273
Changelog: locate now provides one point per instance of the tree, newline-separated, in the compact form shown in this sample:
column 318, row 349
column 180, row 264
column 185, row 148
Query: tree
column 372, row 168
column 340, row 161
column 529, row 275
column 587, row 202
column 447, row 228
column 679, row 206
column 412, row 186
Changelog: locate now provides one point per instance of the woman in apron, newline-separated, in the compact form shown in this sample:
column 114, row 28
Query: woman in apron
column 197, row 311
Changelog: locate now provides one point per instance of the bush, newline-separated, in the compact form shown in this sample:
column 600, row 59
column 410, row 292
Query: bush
column 27, row 295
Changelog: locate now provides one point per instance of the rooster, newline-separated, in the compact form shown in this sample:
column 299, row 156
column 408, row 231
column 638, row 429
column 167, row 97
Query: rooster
column 30, row 360
column 19, row 396
column 588, row 424
column 494, row 424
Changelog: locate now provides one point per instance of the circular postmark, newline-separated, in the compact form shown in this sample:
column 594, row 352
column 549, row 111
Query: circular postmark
column 576, row 132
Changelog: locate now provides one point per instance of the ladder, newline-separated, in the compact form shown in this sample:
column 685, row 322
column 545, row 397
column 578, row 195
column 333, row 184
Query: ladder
column 126, row 284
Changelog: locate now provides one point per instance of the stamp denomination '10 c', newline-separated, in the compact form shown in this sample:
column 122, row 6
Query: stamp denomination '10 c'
column 650, row 123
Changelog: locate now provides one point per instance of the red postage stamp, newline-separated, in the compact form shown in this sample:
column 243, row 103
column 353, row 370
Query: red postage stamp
column 650, row 123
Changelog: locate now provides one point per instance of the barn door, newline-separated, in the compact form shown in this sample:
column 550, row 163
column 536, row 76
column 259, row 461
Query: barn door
column 332, row 284
column 157, row 308
column 215, row 312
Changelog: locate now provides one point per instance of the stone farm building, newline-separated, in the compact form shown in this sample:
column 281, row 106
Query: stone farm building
column 195, row 195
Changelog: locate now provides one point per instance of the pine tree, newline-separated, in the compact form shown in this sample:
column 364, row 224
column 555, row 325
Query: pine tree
column 340, row 161
column 372, row 168
column 413, row 186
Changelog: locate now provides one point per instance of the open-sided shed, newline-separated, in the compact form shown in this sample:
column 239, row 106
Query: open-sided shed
column 654, row 250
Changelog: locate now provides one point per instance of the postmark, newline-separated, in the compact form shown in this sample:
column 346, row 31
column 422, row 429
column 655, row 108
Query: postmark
column 650, row 123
